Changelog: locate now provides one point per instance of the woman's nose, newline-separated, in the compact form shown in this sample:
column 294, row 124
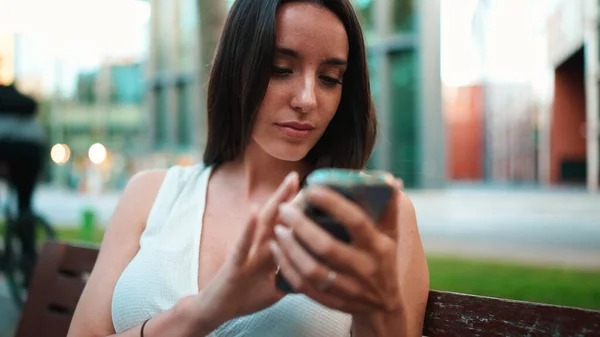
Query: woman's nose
column 305, row 98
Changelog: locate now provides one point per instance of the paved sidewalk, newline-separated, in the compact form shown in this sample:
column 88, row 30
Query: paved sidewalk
column 9, row 315
column 523, row 223
column 532, row 217
column 559, row 227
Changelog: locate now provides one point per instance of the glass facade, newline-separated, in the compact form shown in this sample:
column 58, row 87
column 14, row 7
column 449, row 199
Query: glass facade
column 403, row 16
column 399, row 52
column 188, row 26
column 126, row 84
column 161, row 123
column 397, row 92
column 184, row 116
column 172, row 74
column 404, row 93
column 364, row 10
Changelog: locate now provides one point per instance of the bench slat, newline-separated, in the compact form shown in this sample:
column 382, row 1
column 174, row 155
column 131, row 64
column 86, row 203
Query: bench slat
column 66, row 292
column 54, row 325
column 452, row 314
column 78, row 259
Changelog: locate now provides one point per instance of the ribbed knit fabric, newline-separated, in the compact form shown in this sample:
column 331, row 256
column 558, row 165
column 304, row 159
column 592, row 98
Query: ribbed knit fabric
column 166, row 269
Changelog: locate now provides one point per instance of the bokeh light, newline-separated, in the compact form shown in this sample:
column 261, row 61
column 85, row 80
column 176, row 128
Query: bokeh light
column 97, row 153
column 60, row 153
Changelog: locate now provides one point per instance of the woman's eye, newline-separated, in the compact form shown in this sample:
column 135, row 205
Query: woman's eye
column 330, row 81
column 279, row 71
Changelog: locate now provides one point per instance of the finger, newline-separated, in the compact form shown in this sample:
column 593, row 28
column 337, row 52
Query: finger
column 284, row 192
column 285, row 267
column 357, row 222
column 301, row 285
column 299, row 199
column 246, row 239
column 335, row 253
column 312, row 270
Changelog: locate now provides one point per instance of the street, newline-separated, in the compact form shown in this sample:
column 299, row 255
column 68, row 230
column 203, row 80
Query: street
column 528, row 223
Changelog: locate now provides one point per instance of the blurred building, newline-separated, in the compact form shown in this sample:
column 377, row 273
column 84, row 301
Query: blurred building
column 403, row 38
column 107, row 109
column 522, row 113
column 88, row 75
column 571, row 141
column 491, row 97
column 403, row 42
column 175, row 97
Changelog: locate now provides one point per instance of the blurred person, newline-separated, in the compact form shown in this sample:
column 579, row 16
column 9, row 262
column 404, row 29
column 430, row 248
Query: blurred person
column 187, row 252
column 22, row 154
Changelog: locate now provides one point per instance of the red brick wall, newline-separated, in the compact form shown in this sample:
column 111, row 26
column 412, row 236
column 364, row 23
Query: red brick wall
column 463, row 111
column 568, row 116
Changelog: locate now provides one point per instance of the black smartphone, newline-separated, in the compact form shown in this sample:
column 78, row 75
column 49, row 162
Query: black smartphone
column 371, row 190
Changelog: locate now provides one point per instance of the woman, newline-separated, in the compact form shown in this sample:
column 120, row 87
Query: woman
column 188, row 252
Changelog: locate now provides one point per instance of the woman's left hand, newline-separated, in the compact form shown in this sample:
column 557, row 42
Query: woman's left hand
column 356, row 278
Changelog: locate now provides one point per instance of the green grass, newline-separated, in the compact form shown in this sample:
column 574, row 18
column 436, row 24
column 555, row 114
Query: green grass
column 75, row 235
column 70, row 234
column 560, row 286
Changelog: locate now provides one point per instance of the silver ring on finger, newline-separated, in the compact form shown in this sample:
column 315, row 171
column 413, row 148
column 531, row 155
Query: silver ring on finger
column 331, row 276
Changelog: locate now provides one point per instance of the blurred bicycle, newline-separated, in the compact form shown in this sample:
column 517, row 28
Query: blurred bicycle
column 23, row 152
column 22, row 238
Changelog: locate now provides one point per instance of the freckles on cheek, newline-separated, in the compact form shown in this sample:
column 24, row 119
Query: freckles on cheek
column 276, row 88
column 273, row 97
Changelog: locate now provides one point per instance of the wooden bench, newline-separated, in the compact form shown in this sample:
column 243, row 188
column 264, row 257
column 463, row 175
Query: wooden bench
column 62, row 270
column 58, row 281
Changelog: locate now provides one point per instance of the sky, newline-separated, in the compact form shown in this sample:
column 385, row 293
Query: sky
column 60, row 38
column 57, row 39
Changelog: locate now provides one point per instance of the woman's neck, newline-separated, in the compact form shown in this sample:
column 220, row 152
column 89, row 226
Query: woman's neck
column 259, row 173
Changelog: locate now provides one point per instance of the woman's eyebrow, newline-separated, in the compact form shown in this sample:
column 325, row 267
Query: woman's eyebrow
column 294, row 54
column 287, row 51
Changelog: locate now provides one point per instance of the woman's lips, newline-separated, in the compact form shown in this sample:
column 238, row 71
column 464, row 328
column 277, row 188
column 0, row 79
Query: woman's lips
column 298, row 130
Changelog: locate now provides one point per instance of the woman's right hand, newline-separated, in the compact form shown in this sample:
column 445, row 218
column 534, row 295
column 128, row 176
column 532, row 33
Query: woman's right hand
column 245, row 282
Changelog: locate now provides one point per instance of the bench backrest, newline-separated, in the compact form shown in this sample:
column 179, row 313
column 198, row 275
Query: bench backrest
column 62, row 269
column 58, row 281
column 452, row 314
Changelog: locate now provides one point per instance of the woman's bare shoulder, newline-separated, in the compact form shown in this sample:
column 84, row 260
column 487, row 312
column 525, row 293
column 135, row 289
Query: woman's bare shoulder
column 145, row 182
column 140, row 192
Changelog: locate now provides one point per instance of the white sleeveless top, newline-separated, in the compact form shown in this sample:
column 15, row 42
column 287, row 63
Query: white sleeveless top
column 165, row 269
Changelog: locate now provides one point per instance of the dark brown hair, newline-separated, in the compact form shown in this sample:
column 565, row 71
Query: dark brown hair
column 241, row 72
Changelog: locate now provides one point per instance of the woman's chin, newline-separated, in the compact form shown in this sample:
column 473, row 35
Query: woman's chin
column 290, row 157
column 290, row 153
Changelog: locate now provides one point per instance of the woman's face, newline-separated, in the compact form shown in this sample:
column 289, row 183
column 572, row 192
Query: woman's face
column 305, row 89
